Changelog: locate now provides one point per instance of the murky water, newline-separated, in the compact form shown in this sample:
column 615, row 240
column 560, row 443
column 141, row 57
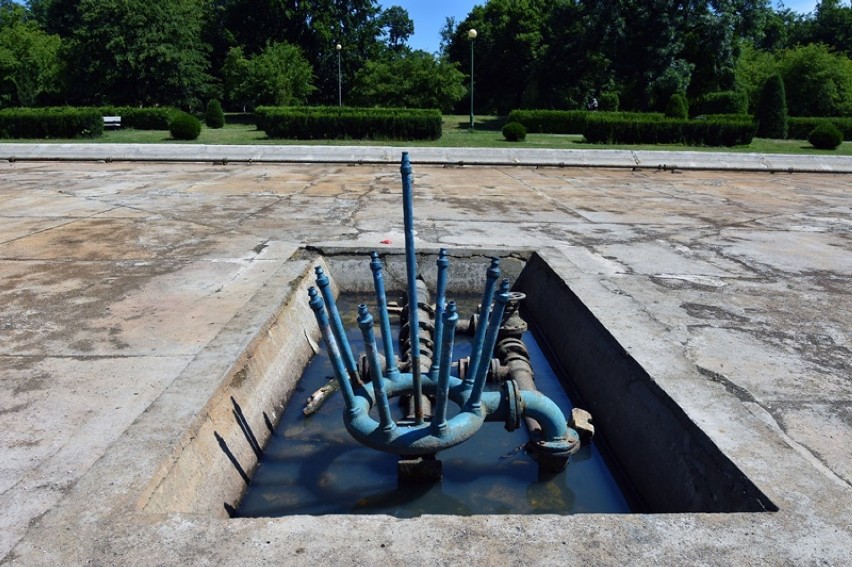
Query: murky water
column 312, row 466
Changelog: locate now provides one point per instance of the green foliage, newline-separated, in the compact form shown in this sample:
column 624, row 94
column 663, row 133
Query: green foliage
column 603, row 129
column 55, row 122
column 214, row 117
column 138, row 52
column 608, row 102
column 567, row 121
column 310, row 123
column 725, row 102
column 771, row 113
column 279, row 76
column 753, row 68
column 314, row 26
column 800, row 127
column 184, row 126
column 825, row 136
column 677, row 107
column 397, row 25
column 514, row 132
column 817, row 81
column 413, row 80
column 29, row 63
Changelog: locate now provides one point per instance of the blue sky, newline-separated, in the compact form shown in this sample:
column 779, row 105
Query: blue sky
column 429, row 16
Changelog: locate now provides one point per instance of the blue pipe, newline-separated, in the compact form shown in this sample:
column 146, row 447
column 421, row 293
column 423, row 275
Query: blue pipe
column 491, row 276
column 365, row 321
column 316, row 304
column 411, row 276
column 336, row 323
column 384, row 318
column 450, row 318
column 488, row 347
column 441, row 297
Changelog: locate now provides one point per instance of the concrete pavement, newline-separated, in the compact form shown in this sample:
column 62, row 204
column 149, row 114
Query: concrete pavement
column 127, row 288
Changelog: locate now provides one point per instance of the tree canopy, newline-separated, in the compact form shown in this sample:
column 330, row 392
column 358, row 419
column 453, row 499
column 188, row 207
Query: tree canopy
column 527, row 54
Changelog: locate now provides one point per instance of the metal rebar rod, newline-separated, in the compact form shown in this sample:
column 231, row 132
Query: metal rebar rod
column 448, row 332
column 491, row 276
column 365, row 321
column 336, row 323
column 441, row 297
column 494, row 321
column 333, row 351
column 384, row 319
column 411, row 277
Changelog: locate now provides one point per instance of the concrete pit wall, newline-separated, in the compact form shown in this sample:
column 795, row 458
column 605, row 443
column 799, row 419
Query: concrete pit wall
column 669, row 462
column 671, row 465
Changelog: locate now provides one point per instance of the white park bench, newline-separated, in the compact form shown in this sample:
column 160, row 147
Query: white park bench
column 112, row 122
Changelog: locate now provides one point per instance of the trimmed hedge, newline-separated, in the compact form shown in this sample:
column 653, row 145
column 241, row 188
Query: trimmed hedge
column 677, row 107
column 799, row 128
column 151, row 118
column 771, row 111
column 514, row 132
column 53, row 122
column 826, row 136
column 708, row 132
column 567, row 121
column 184, row 126
column 723, row 102
column 214, row 117
column 340, row 123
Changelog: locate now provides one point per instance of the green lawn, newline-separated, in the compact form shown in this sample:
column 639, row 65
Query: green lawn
column 456, row 134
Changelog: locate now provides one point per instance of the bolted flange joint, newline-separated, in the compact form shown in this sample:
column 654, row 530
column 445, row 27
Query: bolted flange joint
column 515, row 404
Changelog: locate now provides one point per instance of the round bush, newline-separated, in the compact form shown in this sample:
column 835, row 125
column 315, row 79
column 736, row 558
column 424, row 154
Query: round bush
column 214, row 118
column 185, row 126
column 825, row 136
column 514, row 132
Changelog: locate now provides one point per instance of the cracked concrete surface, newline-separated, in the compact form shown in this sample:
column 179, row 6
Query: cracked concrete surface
column 115, row 277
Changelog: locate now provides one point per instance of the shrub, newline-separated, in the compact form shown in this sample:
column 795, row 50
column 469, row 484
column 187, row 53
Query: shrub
column 771, row 112
column 185, row 126
column 334, row 122
column 514, row 132
column 214, row 117
column 677, row 107
column 567, row 121
column 724, row 102
column 55, row 122
column 799, row 128
column 825, row 136
column 604, row 129
column 608, row 102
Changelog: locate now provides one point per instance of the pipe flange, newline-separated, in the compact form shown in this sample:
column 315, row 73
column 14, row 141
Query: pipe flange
column 516, row 405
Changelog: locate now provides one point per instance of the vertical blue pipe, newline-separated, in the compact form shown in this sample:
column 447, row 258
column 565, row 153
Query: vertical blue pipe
column 441, row 297
column 365, row 321
column 336, row 323
column 447, row 338
column 384, row 319
column 490, row 341
column 317, row 305
column 491, row 276
column 411, row 276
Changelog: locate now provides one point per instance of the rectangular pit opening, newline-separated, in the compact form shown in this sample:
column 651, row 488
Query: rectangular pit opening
column 661, row 458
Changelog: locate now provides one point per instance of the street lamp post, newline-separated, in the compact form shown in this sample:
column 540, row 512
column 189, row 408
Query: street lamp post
column 471, row 35
column 338, row 47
